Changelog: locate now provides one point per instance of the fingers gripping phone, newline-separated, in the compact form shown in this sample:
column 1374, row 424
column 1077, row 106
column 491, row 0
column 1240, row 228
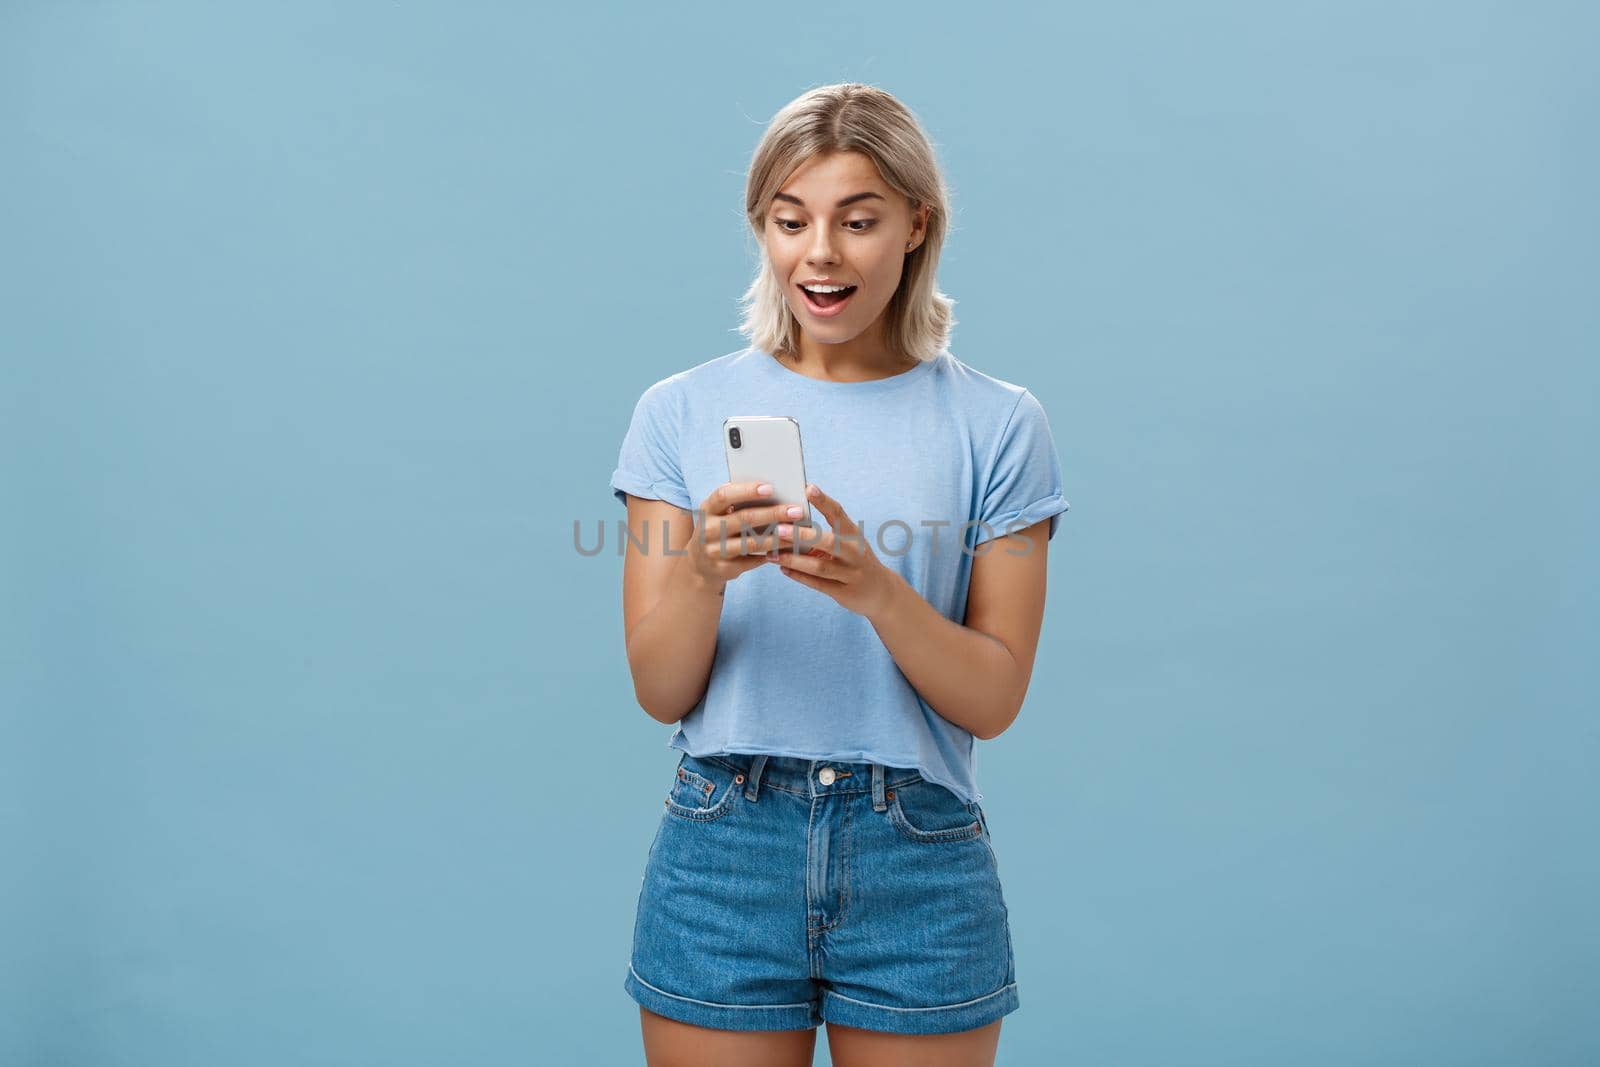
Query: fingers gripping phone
column 766, row 448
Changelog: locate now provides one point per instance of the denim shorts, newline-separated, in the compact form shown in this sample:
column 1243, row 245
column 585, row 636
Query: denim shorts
column 781, row 893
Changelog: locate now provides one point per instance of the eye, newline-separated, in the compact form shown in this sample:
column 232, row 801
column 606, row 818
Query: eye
column 864, row 224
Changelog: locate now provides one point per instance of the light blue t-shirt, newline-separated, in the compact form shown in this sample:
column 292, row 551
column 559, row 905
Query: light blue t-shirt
column 794, row 672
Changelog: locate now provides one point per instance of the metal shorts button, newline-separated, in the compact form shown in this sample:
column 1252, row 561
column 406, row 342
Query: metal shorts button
column 825, row 776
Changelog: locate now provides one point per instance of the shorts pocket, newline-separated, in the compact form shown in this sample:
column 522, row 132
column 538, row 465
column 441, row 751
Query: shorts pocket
column 702, row 789
column 927, row 812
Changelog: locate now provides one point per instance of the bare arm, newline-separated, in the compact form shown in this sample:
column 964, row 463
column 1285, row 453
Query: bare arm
column 974, row 674
column 672, row 593
column 669, row 612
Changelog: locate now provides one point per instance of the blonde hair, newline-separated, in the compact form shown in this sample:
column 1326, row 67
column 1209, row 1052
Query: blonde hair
column 852, row 117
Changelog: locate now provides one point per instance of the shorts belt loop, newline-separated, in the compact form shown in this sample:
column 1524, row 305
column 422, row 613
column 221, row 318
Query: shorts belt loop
column 752, row 782
column 878, row 801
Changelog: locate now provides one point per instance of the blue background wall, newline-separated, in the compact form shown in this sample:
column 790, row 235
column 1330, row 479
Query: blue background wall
column 321, row 325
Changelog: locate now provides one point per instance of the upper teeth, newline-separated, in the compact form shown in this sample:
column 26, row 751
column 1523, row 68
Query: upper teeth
column 824, row 288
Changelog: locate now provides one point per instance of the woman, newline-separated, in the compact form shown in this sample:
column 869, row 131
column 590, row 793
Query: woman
column 822, row 856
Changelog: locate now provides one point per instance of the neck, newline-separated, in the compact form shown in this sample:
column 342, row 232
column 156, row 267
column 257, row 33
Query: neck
column 859, row 359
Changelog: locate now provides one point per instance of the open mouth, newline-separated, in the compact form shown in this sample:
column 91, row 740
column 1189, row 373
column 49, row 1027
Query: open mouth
column 826, row 304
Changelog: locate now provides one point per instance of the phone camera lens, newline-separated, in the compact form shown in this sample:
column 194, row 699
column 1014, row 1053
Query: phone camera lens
column 733, row 435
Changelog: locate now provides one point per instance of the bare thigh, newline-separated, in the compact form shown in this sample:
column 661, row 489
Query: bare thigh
column 670, row 1043
column 853, row 1047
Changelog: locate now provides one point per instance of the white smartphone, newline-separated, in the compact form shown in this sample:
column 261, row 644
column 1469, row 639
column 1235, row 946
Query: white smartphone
column 766, row 448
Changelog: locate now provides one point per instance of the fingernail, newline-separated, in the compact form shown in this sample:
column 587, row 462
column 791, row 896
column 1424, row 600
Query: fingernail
column 785, row 530
column 812, row 490
column 764, row 489
column 796, row 511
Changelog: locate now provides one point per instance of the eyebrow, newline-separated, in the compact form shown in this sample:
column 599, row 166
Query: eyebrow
column 843, row 203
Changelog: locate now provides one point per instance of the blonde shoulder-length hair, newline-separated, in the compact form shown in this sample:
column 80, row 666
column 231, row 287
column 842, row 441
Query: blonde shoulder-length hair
column 852, row 117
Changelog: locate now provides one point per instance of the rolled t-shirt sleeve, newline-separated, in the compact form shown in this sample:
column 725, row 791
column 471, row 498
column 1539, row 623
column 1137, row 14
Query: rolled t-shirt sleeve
column 648, row 463
column 1024, row 484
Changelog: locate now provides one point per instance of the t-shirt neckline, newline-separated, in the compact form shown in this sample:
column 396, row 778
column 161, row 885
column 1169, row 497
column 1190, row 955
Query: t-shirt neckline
column 893, row 381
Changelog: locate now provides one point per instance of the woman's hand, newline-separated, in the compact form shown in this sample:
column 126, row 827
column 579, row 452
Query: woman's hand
column 839, row 562
column 720, row 551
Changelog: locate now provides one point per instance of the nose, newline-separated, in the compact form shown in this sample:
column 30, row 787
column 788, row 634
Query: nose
column 821, row 249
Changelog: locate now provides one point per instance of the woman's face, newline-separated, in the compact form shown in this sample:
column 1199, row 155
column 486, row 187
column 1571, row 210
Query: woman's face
column 836, row 220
